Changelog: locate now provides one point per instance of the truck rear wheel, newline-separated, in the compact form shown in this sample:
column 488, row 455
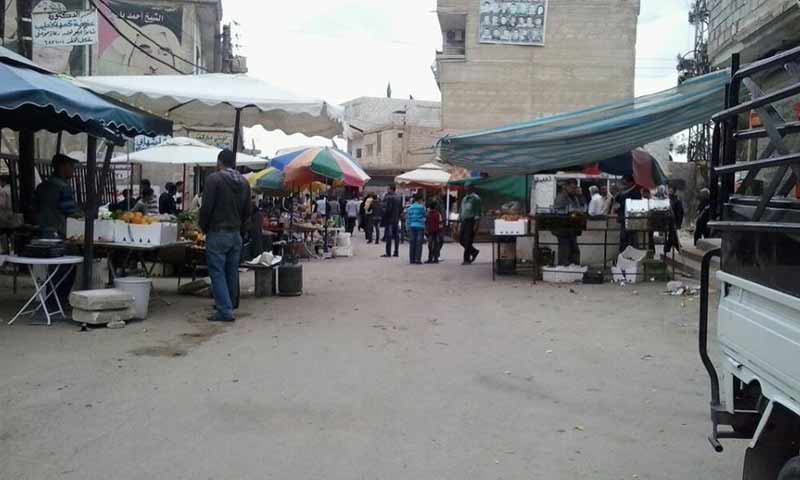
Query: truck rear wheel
column 791, row 470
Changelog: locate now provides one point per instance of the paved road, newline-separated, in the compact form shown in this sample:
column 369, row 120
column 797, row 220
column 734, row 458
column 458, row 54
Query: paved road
column 381, row 371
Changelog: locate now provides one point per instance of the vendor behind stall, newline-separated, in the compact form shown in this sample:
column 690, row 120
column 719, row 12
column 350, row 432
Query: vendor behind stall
column 54, row 202
column 630, row 191
column 570, row 200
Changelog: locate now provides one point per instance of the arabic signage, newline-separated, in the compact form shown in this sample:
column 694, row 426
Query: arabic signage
column 65, row 28
column 519, row 22
column 143, row 15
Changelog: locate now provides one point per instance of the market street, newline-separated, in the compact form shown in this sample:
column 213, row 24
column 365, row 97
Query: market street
column 380, row 370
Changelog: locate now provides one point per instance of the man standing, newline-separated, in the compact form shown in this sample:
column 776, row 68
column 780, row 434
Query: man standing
column 166, row 201
column 54, row 202
column 703, row 215
column 597, row 203
column 630, row 191
column 352, row 209
column 568, row 201
column 225, row 210
column 470, row 218
column 392, row 210
column 675, row 203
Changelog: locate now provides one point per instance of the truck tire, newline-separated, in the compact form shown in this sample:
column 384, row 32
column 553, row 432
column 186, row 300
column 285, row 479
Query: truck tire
column 790, row 470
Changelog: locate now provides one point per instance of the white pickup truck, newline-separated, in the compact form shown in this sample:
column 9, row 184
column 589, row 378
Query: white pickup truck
column 755, row 381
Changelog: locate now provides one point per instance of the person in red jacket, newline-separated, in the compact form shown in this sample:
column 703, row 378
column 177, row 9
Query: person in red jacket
column 434, row 228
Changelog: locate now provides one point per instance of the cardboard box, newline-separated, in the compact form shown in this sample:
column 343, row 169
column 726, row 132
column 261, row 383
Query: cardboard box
column 153, row 234
column 505, row 227
column 570, row 274
column 104, row 230
column 75, row 228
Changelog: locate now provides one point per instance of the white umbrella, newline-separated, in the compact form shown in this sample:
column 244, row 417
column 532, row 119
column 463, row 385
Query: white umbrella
column 428, row 175
column 221, row 100
column 184, row 151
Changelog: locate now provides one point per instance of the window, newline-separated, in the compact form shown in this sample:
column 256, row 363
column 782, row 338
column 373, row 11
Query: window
column 380, row 144
column 358, row 153
column 400, row 135
column 369, row 150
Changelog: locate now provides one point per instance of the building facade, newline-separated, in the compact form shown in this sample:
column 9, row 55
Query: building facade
column 389, row 136
column 753, row 28
column 134, row 37
column 153, row 37
column 511, row 61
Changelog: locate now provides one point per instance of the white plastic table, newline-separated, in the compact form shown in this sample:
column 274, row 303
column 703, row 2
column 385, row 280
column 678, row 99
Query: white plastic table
column 43, row 281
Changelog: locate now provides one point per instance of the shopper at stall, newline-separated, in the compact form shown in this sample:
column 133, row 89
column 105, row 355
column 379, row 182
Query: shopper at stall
column 225, row 210
column 335, row 211
column 392, row 210
column 368, row 207
column 597, row 203
column 630, row 191
column 415, row 218
column 470, row 218
column 179, row 195
column 321, row 206
column 166, row 201
column 352, row 209
column 377, row 218
column 569, row 200
column 54, row 201
column 145, row 203
column 434, row 226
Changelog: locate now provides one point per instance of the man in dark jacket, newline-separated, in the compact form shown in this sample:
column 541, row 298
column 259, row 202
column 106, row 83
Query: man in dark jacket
column 166, row 201
column 225, row 211
column 392, row 210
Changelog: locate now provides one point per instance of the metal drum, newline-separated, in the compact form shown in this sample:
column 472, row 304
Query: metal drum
column 290, row 280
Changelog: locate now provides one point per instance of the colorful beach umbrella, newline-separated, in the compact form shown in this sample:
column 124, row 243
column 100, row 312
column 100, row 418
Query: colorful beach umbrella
column 306, row 165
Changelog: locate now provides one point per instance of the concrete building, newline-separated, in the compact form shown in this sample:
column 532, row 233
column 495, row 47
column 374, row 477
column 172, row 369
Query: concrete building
column 390, row 136
column 559, row 56
column 753, row 28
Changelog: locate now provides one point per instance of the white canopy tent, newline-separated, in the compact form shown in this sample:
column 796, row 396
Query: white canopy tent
column 427, row 175
column 221, row 100
column 184, row 151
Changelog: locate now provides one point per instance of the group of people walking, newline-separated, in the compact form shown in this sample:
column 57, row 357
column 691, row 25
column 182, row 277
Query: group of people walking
column 422, row 223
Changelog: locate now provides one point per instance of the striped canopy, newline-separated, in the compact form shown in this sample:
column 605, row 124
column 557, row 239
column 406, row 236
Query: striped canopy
column 306, row 165
column 588, row 136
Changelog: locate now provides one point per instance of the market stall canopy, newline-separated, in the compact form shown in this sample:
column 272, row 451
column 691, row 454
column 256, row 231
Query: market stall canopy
column 200, row 101
column 588, row 136
column 512, row 187
column 307, row 165
column 184, row 151
column 429, row 175
column 32, row 98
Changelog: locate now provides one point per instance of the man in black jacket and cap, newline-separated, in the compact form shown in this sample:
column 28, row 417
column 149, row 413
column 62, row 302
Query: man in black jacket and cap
column 225, row 211
column 392, row 210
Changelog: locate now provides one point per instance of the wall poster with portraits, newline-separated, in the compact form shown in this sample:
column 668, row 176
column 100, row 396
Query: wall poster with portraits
column 513, row 22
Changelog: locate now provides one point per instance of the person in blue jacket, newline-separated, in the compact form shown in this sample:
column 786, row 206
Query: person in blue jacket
column 416, row 225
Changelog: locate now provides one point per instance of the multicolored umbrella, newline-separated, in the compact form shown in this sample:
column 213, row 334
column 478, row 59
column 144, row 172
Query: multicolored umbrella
column 273, row 182
column 304, row 166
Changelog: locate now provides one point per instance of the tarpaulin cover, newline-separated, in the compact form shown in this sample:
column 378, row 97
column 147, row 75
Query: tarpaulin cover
column 513, row 187
column 31, row 98
column 210, row 100
column 588, row 136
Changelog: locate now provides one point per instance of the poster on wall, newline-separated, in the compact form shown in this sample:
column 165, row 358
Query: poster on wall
column 518, row 22
column 61, row 32
column 66, row 28
column 157, row 30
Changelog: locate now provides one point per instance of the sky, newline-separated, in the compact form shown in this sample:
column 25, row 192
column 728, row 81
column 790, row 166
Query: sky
column 339, row 50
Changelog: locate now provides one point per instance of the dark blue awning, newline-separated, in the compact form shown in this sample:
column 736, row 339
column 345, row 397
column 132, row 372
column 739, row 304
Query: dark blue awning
column 31, row 98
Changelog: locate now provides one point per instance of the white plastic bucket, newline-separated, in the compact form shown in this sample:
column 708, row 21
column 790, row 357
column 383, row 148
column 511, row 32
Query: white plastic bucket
column 139, row 287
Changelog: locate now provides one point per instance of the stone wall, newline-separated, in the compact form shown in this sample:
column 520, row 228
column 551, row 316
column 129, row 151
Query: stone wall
column 751, row 27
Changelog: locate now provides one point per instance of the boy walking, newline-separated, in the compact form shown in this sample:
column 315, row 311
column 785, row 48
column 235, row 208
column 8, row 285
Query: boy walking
column 434, row 225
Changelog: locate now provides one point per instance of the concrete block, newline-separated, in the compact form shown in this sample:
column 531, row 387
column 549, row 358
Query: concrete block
column 96, row 300
column 111, row 317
